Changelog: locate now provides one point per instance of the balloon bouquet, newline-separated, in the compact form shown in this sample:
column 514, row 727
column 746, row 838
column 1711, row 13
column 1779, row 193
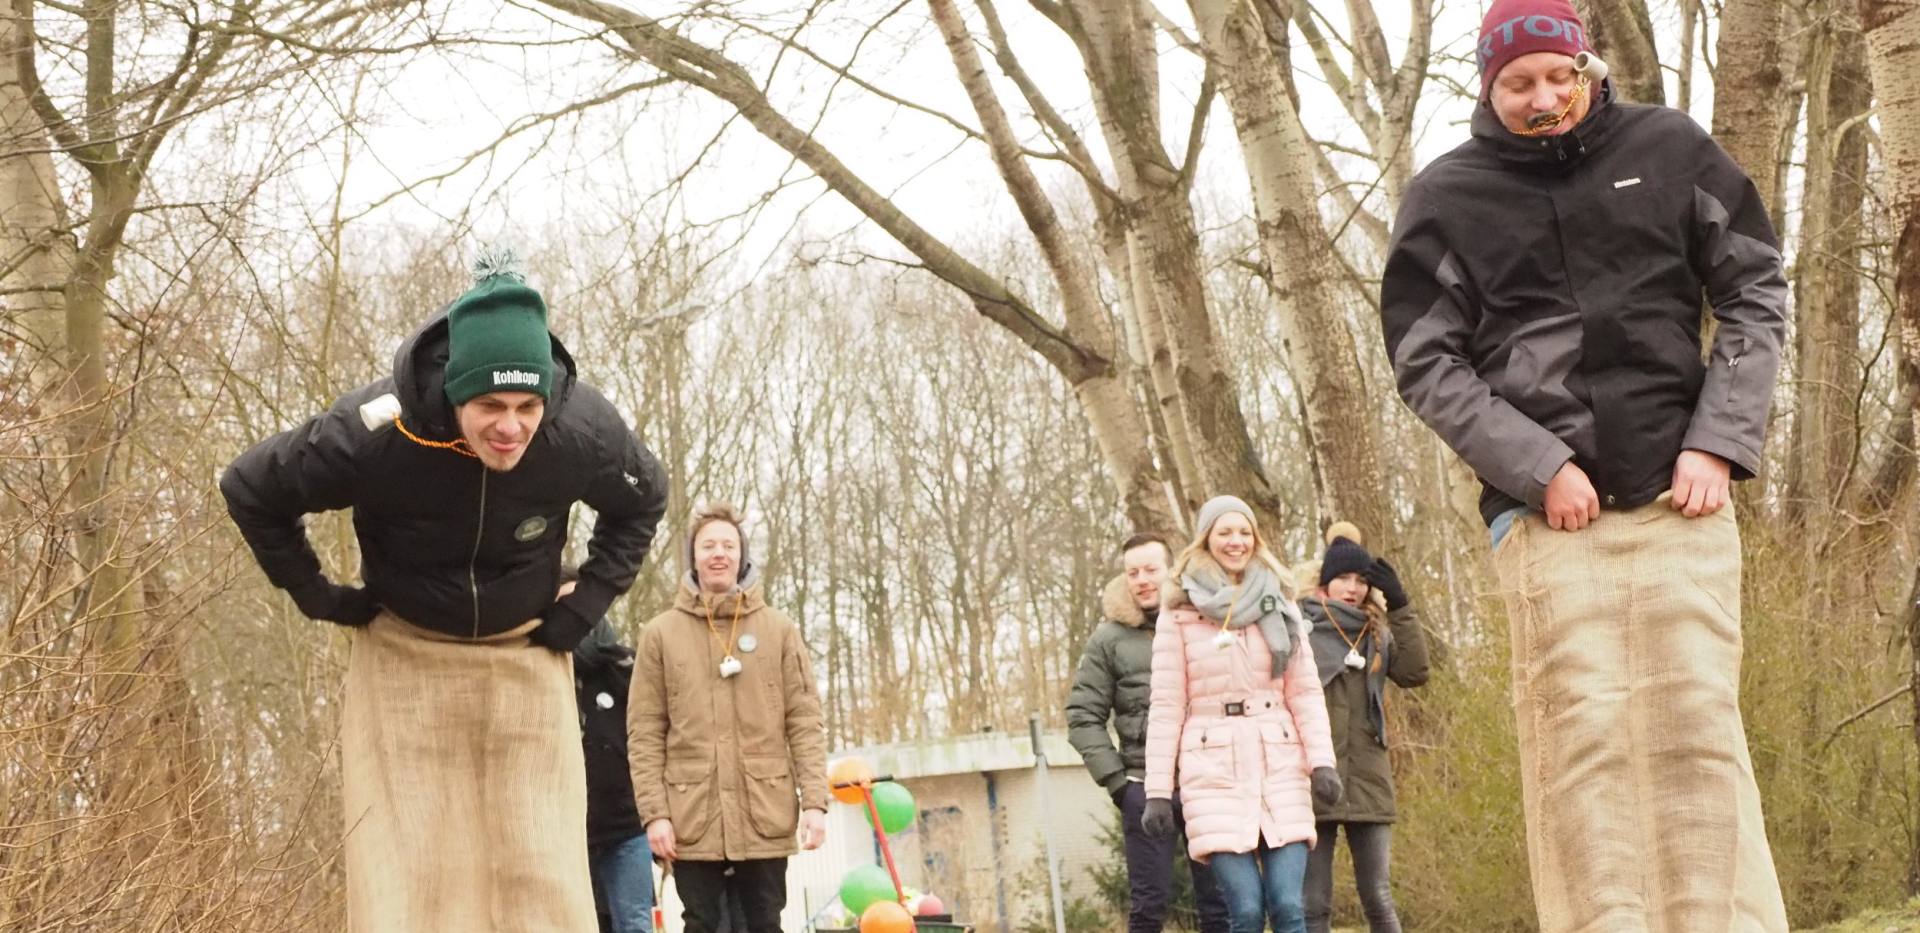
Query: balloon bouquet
column 870, row 892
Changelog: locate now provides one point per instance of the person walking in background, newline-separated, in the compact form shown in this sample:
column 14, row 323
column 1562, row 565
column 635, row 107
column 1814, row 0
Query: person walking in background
column 618, row 857
column 1541, row 304
column 1364, row 634
column 725, row 740
column 1237, row 714
column 1114, row 683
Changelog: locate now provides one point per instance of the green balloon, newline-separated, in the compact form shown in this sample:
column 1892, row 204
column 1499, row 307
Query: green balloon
column 864, row 887
column 895, row 804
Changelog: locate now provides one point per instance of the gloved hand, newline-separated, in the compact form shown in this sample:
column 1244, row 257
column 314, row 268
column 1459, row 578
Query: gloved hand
column 1327, row 788
column 1119, row 793
column 1158, row 818
column 1381, row 576
column 328, row 601
column 560, row 628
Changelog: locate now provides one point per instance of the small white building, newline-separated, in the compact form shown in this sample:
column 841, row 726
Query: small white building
column 977, row 841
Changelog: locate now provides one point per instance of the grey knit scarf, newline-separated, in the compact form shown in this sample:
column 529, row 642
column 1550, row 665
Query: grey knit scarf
column 1257, row 599
column 1336, row 625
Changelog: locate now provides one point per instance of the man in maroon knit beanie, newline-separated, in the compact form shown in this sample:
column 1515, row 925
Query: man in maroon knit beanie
column 1541, row 306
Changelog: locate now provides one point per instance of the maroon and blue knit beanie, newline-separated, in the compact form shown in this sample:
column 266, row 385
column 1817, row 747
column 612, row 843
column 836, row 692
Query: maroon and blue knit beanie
column 1513, row 28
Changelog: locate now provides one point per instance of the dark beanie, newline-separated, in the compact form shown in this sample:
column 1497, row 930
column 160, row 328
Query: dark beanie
column 1344, row 553
column 497, row 335
column 1513, row 28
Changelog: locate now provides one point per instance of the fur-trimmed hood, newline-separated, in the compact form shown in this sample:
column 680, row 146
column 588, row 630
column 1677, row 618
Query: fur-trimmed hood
column 1117, row 605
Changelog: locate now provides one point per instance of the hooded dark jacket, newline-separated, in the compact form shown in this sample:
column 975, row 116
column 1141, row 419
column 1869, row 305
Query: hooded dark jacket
column 1366, row 770
column 1115, row 680
column 445, row 543
column 1542, row 301
column 602, row 677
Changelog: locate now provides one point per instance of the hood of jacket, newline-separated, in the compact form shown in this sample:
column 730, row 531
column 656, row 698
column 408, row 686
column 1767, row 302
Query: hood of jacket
column 745, row 597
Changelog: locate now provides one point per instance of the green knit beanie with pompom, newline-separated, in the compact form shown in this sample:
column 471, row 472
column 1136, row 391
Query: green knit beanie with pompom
column 497, row 334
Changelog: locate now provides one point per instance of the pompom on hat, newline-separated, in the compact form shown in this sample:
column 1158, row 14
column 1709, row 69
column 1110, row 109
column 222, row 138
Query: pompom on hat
column 497, row 334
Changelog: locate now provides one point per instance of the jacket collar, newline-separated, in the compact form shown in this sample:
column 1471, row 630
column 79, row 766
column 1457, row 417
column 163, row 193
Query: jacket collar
column 1549, row 153
column 745, row 598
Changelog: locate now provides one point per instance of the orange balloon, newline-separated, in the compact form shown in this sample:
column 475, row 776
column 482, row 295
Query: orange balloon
column 886, row 917
column 851, row 771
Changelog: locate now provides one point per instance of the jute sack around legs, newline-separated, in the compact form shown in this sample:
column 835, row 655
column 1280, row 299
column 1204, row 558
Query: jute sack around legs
column 1641, row 808
column 463, row 783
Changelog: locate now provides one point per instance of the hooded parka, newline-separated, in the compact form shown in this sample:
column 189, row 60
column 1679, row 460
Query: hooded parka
column 1366, row 773
column 730, row 760
column 446, row 543
column 1114, row 681
column 1541, row 302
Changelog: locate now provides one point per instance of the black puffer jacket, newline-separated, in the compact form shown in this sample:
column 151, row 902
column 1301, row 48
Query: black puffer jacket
column 603, row 675
column 1541, row 301
column 446, row 543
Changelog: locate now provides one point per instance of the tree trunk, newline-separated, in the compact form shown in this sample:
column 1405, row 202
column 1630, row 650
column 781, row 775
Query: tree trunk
column 1892, row 29
column 1748, row 84
column 1117, row 44
column 35, row 259
column 1315, row 298
column 1621, row 32
column 1103, row 393
column 1827, row 306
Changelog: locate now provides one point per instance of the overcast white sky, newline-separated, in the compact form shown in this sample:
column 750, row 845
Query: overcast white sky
column 590, row 172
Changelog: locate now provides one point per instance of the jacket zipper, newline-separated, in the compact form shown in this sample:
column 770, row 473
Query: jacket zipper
column 473, row 560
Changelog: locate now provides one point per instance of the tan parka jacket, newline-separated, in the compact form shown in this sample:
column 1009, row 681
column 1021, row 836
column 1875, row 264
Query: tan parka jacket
column 731, row 761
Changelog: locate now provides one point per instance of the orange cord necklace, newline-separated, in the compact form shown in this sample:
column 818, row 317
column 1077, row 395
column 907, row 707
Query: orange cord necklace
column 457, row 445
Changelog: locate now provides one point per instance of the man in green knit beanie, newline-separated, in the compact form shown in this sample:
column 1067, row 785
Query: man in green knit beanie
column 499, row 353
column 462, row 469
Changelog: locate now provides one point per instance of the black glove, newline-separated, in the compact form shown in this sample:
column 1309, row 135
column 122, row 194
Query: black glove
column 1158, row 818
column 560, row 628
column 328, row 601
column 1327, row 789
column 1381, row 576
column 1119, row 792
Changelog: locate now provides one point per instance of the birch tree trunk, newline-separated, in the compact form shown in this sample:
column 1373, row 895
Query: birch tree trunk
column 1622, row 33
column 1748, row 86
column 1117, row 44
column 1827, row 305
column 1892, row 29
column 1315, row 299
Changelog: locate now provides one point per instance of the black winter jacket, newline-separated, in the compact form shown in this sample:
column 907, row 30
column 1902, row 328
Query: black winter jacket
column 1542, row 301
column 602, row 676
column 445, row 543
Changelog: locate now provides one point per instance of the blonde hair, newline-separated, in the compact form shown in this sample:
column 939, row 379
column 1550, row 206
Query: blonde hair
column 1261, row 553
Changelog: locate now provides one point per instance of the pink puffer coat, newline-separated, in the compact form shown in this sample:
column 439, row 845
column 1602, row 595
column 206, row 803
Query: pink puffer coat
column 1240, row 776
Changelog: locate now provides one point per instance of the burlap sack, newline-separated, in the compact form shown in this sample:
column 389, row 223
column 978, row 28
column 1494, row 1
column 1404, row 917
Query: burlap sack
column 464, row 786
column 1641, row 808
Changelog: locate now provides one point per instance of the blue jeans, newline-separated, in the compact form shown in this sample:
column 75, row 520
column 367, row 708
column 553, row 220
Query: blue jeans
column 1261, row 885
column 623, row 884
